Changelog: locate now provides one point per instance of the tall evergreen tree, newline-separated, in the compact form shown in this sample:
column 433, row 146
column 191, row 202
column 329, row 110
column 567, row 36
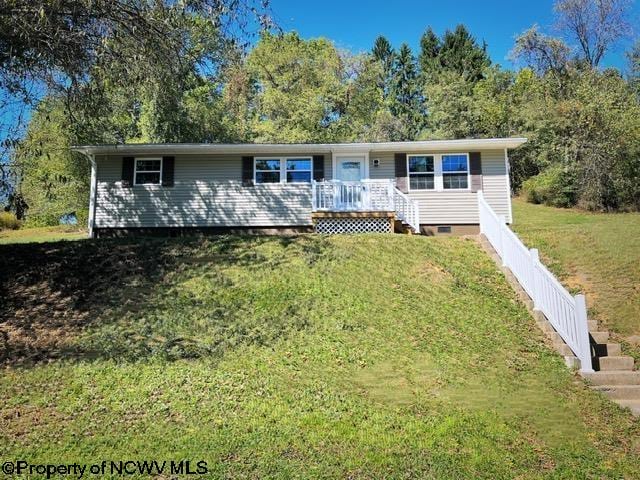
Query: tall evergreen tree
column 461, row 53
column 406, row 97
column 429, row 58
column 383, row 52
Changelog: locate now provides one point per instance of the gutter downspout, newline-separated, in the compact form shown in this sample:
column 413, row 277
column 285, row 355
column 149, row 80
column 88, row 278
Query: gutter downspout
column 92, row 193
column 507, row 165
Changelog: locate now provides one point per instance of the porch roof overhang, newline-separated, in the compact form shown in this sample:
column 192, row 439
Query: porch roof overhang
column 299, row 148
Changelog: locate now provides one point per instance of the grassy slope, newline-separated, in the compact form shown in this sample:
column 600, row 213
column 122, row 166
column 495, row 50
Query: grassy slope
column 360, row 357
column 42, row 234
column 597, row 253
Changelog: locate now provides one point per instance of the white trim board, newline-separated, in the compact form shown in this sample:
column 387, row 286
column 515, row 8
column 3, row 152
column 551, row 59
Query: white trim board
column 262, row 149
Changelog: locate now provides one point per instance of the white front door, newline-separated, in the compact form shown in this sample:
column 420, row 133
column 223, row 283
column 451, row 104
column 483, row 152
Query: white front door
column 350, row 168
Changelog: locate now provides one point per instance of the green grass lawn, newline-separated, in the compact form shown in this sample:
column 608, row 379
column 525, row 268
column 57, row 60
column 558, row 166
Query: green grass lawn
column 595, row 252
column 42, row 234
column 309, row 357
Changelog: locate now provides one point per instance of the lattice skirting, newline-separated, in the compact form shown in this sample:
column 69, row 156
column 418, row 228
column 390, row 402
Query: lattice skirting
column 332, row 226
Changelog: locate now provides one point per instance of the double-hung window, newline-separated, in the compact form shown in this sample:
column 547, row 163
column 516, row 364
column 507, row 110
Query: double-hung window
column 455, row 171
column 148, row 171
column 421, row 172
column 299, row 170
column 268, row 170
column 283, row 170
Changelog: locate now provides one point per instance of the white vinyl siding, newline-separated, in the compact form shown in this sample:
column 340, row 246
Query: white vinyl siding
column 456, row 206
column 208, row 191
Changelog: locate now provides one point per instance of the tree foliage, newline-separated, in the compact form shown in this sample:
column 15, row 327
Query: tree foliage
column 197, row 84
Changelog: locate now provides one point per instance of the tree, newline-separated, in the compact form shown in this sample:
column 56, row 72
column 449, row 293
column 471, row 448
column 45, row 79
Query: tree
column 461, row 53
column 383, row 53
column 67, row 48
column 300, row 86
column 450, row 104
column 429, row 58
column 542, row 53
column 596, row 25
column 633, row 59
column 53, row 182
column 405, row 95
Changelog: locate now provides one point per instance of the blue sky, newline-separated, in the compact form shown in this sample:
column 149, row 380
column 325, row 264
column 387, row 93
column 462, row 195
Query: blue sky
column 355, row 24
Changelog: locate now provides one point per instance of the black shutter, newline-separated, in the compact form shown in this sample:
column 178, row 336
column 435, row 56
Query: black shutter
column 127, row 171
column 402, row 182
column 168, row 167
column 247, row 171
column 475, row 169
column 318, row 168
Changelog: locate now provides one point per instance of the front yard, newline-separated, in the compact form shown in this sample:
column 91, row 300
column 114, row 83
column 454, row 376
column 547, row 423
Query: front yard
column 345, row 357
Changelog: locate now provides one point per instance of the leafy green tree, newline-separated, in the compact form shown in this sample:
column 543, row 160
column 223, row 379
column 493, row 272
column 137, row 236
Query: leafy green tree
column 450, row 104
column 300, row 86
column 53, row 180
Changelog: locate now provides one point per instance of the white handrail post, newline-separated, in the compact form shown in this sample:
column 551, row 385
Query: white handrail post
column 481, row 212
column 314, row 201
column 390, row 195
column 503, row 253
column 535, row 259
column 583, row 334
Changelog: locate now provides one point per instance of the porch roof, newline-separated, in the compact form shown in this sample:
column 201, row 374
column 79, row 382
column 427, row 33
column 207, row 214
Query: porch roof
column 299, row 148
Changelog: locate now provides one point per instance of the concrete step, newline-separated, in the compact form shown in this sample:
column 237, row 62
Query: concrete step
column 563, row 349
column 620, row 392
column 592, row 325
column 608, row 350
column 600, row 337
column 546, row 326
column 613, row 363
column 633, row 405
column 613, row 378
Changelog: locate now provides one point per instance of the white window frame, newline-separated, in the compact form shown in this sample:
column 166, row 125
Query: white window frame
column 435, row 168
column 283, row 169
column 135, row 171
column 468, row 172
column 439, row 174
column 255, row 170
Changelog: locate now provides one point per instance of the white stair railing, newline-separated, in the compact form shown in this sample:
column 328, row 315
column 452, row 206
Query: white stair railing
column 406, row 209
column 566, row 313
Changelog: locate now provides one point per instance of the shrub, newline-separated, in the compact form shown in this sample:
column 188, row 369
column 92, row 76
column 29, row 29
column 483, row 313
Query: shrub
column 555, row 186
column 8, row 221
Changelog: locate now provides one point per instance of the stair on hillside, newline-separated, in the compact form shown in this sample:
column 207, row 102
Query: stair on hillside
column 614, row 374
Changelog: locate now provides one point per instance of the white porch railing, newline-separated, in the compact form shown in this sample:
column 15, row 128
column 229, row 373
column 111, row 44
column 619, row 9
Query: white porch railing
column 566, row 313
column 364, row 196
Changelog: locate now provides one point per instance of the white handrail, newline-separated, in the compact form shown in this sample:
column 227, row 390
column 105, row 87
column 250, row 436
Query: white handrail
column 566, row 313
column 407, row 209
